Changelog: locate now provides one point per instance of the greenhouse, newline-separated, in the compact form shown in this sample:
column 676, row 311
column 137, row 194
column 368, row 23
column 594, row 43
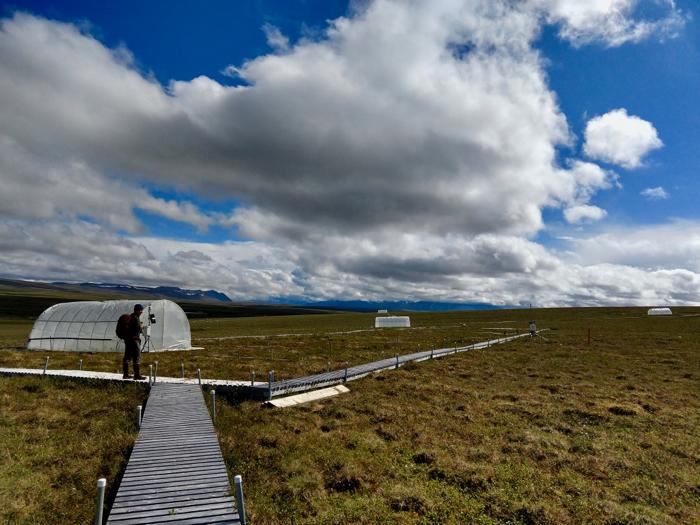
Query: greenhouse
column 89, row 326
column 392, row 321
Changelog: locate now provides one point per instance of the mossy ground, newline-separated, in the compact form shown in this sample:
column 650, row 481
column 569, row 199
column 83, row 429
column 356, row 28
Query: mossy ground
column 541, row 431
column 57, row 437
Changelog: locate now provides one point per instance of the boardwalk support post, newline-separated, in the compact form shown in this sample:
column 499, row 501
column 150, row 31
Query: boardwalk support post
column 46, row 364
column 345, row 377
column 199, row 377
column 150, row 374
column 182, row 368
column 431, row 353
column 139, row 408
column 81, row 365
column 252, row 378
column 155, row 373
column 100, row 500
column 397, row 361
column 240, row 503
column 213, row 404
column 270, row 379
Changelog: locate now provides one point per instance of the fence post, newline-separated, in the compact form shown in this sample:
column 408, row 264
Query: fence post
column 252, row 378
column 46, row 365
column 150, row 374
column 182, row 367
column 199, row 377
column 213, row 403
column 328, row 366
column 397, row 362
column 155, row 373
column 240, row 504
column 431, row 353
column 100, row 500
column 345, row 377
column 81, row 365
column 270, row 379
column 139, row 408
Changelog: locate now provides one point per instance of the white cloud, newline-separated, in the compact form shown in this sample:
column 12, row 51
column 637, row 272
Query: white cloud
column 407, row 152
column 39, row 186
column 619, row 138
column 583, row 212
column 656, row 193
column 611, row 22
column 669, row 246
column 275, row 39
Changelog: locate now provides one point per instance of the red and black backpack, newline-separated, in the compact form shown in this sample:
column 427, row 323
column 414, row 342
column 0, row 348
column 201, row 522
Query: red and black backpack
column 123, row 326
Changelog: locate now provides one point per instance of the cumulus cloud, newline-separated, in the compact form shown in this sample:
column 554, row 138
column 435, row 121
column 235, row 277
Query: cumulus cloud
column 611, row 22
column 37, row 186
column 583, row 212
column 619, row 138
column 415, row 136
column 656, row 193
column 275, row 39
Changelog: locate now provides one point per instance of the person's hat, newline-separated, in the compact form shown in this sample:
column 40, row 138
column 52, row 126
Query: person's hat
column 138, row 308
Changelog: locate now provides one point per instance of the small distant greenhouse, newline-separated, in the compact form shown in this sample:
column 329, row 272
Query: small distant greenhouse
column 89, row 326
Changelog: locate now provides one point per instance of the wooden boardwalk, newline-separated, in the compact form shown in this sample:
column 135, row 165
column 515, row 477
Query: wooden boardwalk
column 176, row 473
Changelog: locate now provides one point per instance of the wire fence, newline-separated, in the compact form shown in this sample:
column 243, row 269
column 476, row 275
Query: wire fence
column 349, row 373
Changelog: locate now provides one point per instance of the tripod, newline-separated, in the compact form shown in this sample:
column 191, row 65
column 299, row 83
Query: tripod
column 147, row 344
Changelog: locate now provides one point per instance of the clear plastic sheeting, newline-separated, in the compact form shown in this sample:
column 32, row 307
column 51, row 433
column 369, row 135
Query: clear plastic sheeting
column 89, row 326
column 659, row 311
column 392, row 321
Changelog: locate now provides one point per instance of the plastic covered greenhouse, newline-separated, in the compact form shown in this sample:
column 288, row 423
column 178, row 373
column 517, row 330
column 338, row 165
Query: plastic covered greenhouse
column 392, row 321
column 89, row 326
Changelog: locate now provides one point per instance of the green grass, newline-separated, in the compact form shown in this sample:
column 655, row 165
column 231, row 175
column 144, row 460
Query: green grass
column 57, row 437
column 554, row 431
column 290, row 345
column 541, row 431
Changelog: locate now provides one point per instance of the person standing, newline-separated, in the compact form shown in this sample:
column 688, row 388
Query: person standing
column 132, row 344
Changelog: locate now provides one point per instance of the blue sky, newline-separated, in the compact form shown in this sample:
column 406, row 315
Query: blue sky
column 353, row 139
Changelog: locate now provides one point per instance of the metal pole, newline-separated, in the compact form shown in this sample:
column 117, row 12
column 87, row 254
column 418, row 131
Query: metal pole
column 199, row 377
column 81, row 364
column 240, row 503
column 46, row 364
column 100, row 500
column 270, row 379
column 213, row 403
column 139, row 408
column 182, row 367
column 397, row 362
column 150, row 374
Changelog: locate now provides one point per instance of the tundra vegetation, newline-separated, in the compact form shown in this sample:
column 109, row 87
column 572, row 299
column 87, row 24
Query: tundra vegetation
column 555, row 430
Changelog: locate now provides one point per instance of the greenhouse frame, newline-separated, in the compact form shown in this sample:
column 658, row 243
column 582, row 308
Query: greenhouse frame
column 90, row 326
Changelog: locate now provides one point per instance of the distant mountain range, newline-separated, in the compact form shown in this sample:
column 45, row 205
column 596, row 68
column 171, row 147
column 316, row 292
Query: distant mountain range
column 393, row 306
column 169, row 292
column 214, row 297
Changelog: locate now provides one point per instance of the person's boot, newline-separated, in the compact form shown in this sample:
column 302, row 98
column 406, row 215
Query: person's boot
column 125, row 368
column 137, row 374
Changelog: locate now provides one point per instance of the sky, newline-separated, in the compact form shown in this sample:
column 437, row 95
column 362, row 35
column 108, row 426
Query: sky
column 480, row 151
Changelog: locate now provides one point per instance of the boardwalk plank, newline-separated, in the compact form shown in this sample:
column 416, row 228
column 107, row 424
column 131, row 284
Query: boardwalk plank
column 176, row 473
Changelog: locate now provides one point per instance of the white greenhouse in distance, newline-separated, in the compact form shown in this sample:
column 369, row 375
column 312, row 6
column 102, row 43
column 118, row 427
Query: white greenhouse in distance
column 659, row 311
column 90, row 326
column 393, row 321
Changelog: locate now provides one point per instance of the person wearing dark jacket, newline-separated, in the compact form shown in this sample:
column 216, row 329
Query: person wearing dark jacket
column 132, row 344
